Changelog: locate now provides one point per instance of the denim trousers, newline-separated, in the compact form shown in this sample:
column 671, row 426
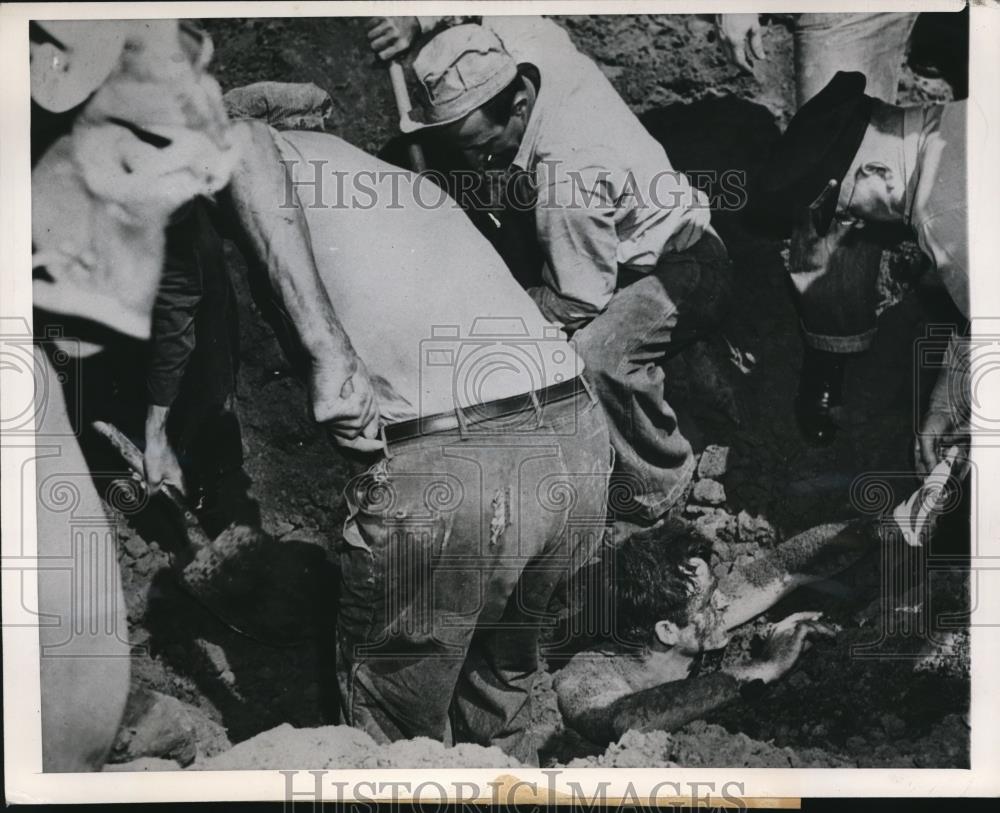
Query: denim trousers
column 623, row 349
column 455, row 544
column 835, row 274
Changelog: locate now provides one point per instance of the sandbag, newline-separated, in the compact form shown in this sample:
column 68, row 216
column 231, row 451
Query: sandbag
column 283, row 105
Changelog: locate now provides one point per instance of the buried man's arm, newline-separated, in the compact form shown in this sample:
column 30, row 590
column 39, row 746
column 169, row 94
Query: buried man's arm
column 671, row 705
column 276, row 237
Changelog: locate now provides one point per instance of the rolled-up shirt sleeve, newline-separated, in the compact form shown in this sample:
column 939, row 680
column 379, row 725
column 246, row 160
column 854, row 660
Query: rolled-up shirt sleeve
column 575, row 219
column 944, row 238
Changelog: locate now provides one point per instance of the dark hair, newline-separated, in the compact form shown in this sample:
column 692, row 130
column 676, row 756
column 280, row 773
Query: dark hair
column 498, row 109
column 652, row 580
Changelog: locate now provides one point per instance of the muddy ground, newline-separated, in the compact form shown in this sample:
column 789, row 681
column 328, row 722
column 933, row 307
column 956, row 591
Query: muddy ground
column 837, row 708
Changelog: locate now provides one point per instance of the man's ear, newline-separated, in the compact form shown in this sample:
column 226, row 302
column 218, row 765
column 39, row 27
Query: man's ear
column 667, row 632
column 519, row 107
column 875, row 168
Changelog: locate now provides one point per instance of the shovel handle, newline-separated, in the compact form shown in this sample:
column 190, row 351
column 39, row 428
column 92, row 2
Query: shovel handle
column 401, row 94
column 132, row 457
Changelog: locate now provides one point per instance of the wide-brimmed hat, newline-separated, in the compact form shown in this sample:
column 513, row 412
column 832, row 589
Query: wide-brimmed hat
column 807, row 165
column 71, row 58
column 459, row 70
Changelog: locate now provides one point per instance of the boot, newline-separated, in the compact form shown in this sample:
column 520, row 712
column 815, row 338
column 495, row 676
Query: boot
column 821, row 389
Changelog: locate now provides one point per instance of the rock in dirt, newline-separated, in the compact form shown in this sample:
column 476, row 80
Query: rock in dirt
column 714, row 462
column 695, row 511
column 708, row 492
column 143, row 764
column 339, row 746
column 157, row 725
column 716, row 525
column 214, row 653
column 136, row 546
column 755, row 530
column 947, row 655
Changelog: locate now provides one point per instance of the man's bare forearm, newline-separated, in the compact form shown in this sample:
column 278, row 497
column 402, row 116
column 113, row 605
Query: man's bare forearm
column 278, row 238
column 669, row 706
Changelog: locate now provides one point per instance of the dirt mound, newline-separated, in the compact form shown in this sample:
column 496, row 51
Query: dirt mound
column 702, row 745
column 162, row 727
column 341, row 746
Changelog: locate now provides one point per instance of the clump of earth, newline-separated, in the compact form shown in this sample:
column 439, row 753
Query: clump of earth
column 250, row 675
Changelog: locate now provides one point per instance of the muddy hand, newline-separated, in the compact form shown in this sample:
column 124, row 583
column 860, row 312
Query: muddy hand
column 938, row 431
column 161, row 467
column 391, row 36
column 347, row 406
column 787, row 640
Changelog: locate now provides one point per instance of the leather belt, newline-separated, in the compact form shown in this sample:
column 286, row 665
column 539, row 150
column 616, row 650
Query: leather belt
column 463, row 417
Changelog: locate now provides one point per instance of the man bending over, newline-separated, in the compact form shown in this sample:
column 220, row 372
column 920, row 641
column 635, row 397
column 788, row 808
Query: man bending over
column 459, row 531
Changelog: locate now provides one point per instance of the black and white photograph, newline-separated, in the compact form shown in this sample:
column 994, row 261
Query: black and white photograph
column 568, row 391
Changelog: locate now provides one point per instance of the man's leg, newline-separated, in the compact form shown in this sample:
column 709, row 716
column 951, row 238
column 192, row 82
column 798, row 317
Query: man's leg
column 874, row 44
column 622, row 351
column 835, row 275
column 492, row 704
column 439, row 537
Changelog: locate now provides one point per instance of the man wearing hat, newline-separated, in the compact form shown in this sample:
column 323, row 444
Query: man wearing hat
column 630, row 259
column 850, row 160
column 108, row 99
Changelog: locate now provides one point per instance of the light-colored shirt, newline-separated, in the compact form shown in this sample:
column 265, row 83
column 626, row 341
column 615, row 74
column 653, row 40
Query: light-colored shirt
column 934, row 164
column 607, row 194
column 428, row 304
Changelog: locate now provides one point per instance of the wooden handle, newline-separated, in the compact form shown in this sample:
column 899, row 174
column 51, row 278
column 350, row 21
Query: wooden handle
column 402, row 96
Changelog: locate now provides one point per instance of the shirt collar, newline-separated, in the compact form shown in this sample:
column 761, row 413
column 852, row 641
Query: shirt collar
column 914, row 126
column 525, row 158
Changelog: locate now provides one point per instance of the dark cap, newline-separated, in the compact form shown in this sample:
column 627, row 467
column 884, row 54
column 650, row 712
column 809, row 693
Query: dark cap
column 818, row 147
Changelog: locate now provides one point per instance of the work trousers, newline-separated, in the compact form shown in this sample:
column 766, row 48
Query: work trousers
column 623, row 350
column 835, row 275
column 455, row 543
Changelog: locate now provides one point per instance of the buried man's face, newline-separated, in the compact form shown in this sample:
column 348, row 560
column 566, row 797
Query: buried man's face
column 704, row 629
column 869, row 194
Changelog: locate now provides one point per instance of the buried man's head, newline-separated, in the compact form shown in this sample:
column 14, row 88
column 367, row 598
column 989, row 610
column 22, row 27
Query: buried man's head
column 664, row 592
column 841, row 158
column 873, row 188
column 475, row 96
